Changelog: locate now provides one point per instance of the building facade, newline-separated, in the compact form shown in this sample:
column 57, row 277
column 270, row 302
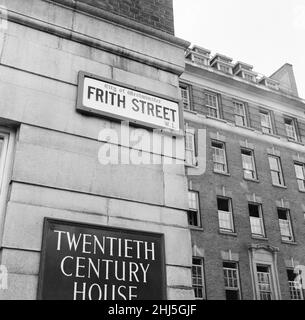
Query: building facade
column 54, row 182
column 245, row 157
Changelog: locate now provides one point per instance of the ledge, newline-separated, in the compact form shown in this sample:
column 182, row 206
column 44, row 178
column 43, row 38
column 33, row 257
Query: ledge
column 225, row 233
column 86, row 40
column 222, row 173
column 120, row 20
column 279, row 186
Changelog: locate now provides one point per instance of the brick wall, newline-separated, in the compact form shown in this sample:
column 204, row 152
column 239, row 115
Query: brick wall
column 157, row 14
column 209, row 184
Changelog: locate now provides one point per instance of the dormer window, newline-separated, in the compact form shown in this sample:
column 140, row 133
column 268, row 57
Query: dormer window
column 270, row 83
column 244, row 71
column 222, row 63
column 199, row 56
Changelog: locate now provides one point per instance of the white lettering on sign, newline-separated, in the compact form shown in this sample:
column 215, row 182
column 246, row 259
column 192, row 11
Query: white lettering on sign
column 135, row 106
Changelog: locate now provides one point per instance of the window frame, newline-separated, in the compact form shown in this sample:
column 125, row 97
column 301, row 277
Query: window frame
column 299, row 179
column 271, row 283
column 236, row 114
column 296, row 293
column 203, row 285
column 230, row 213
column 185, row 100
column 211, row 107
column 225, row 163
column 288, row 214
column 293, row 125
column 190, row 132
column 280, row 173
column 270, row 128
column 194, row 211
column 262, row 222
column 253, row 164
column 236, row 269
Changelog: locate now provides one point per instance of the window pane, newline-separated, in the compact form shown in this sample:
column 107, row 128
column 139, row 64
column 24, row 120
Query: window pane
column 223, row 204
column 274, row 165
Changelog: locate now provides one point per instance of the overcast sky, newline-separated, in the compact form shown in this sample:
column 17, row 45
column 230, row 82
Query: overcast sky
column 263, row 33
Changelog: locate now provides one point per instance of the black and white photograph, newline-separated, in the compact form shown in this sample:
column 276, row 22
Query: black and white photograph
column 152, row 153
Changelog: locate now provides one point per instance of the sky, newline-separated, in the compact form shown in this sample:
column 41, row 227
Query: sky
column 263, row 33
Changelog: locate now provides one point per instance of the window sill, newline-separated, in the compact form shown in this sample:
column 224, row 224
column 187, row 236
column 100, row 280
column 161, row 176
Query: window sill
column 188, row 165
column 217, row 119
column 259, row 238
column 295, row 141
column 251, row 180
column 190, row 111
column 279, row 186
column 194, row 228
column 228, row 233
column 222, row 173
column 271, row 135
column 302, row 191
column 289, row 242
column 244, row 127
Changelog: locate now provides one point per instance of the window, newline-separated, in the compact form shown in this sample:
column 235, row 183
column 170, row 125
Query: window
column 285, row 224
column 225, row 68
column 198, row 278
column 185, row 95
column 219, row 157
column 202, row 61
column 290, row 128
column 300, row 174
column 256, row 219
column 266, row 122
column 190, row 157
column 212, row 105
column 231, row 277
column 240, row 114
column 248, row 164
column 295, row 287
column 276, row 171
column 249, row 77
column 225, row 214
column 194, row 212
column 264, row 282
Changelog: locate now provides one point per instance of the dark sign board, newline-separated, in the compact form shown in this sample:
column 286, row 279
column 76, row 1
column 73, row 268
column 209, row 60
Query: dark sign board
column 88, row 262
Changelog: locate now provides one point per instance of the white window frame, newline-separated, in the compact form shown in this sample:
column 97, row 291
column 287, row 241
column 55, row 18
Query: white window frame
column 194, row 208
column 225, row 218
column 185, row 96
column 285, row 225
column 246, row 169
column 278, row 172
column 240, row 115
column 291, row 129
column 6, row 163
column 266, row 123
column 300, row 178
column 198, row 278
column 190, row 147
column 231, row 278
column 212, row 104
column 216, row 157
column 262, row 286
column 296, row 292
column 257, row 222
